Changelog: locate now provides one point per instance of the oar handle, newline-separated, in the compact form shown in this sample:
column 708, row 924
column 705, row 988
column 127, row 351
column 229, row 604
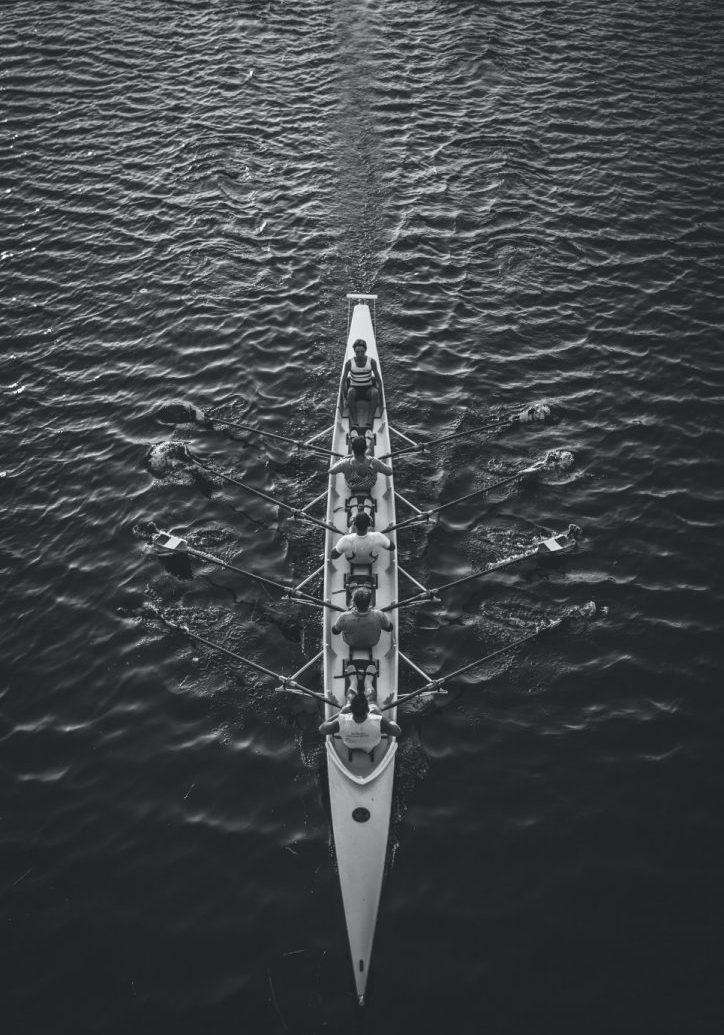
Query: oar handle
column 418, row 598
column 416, row 519
column 290, row 686
column 297, row 594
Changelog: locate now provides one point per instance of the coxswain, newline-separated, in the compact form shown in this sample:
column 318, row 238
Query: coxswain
column 362, row 625
column 360, row 727
column 360, row 471
column 360, row 546
column 361, row 382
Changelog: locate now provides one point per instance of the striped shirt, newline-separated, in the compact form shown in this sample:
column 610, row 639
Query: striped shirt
column 360, row 474
column 361, row 377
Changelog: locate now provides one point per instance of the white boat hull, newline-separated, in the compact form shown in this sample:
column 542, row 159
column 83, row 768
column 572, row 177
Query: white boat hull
column 360, row 789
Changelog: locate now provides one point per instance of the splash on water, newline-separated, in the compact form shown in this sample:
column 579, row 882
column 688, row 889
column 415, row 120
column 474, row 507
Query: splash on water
column 558, row 460
column 180, row 413
column 165, row 458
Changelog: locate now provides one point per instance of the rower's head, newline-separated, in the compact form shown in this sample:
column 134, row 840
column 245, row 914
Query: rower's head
column 359, row 706
column 361, row 522
column 361, row 599
column 359, row 446
column 359, row 348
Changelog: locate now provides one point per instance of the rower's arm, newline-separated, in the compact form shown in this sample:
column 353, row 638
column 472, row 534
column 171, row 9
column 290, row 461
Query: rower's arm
column 327, row 729
column 339, row 466
column 336, row 552
column 378, row 379
column 345, row 378
column 386, row 726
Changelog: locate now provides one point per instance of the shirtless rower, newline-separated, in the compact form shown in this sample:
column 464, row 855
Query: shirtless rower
column 361, row 382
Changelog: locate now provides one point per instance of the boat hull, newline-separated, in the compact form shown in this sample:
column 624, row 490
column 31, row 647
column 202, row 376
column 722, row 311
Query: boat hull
column 360, row 788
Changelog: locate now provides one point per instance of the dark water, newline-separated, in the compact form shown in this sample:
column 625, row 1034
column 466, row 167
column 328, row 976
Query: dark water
column 188, row 191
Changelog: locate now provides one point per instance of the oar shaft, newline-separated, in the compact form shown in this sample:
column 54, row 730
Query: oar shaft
column 272, row 434
column 430, row 594
column 292, row 592
column 435, row 684
column 480, row 492
column 210, row 559
column 491, row 426
column 264, row 495
column 223, row 650
column 427, row 514
column 498, row 566
column 237, row 657
column 421, row 447
column 491, row 657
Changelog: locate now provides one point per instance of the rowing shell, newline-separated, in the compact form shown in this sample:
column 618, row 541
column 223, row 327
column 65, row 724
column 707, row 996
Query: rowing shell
column 360, row 787
column 360, row 784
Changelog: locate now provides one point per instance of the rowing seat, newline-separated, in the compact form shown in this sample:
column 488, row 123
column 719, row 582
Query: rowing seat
column 356, row 502
column 360, row 657
column 360, row 576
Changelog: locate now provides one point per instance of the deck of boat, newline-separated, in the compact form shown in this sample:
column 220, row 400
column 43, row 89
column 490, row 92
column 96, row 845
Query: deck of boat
column 360, row 786
column 336, row 652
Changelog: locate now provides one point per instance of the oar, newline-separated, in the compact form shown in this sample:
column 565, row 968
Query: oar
column 208, row 420
column 529, row 415
column 554, row 544
column 425, row 515
column 294, row 511
column 434, row 685
column 286, row 682
column 175, row 544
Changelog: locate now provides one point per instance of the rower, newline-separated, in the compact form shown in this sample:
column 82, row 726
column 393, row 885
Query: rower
column 359, row 470
column 360, row 546
column 361, row 382
column 360, row 727
column 362, row 625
